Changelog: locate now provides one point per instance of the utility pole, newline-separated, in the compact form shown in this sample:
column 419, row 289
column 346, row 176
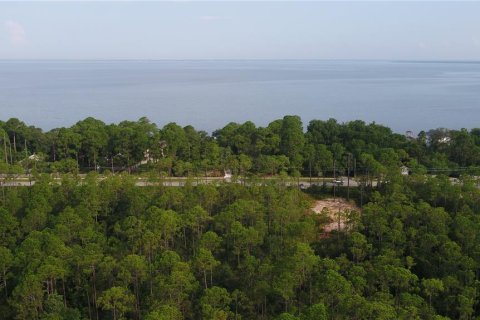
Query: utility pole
column 348, row 177
column 361, row 192
column 10, row 144
column 14, row 143
column 361, row 195
column 5, row 148
column 310, row 167
column 354, row 168
column 334, row 178
column 26, row 157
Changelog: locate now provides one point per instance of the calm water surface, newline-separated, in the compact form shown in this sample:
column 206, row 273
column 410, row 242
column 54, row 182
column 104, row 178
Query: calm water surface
column 209, row 94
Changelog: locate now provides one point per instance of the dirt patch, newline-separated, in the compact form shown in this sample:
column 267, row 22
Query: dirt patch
column 337, row 210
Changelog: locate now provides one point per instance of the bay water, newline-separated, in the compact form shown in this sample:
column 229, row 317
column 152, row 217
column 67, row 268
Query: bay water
column 404, row 95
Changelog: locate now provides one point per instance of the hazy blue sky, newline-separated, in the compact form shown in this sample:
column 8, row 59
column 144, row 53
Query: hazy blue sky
column 240, row 30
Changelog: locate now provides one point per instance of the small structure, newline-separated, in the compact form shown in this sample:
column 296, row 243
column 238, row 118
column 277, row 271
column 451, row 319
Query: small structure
column 227, row 175
column 34, row 157
column 444, row 140
column 147, row 157
column 404, row 171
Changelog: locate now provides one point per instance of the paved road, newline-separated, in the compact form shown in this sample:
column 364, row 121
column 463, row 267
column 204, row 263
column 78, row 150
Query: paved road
column 178, row 182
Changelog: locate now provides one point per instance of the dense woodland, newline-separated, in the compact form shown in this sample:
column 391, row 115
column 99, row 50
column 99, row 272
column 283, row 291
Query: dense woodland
column 283, row 146
column 106, row 249
column 84, row 249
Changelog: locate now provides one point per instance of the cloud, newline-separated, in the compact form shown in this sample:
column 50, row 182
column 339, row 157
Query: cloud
column 213, row 18
column 16, row 32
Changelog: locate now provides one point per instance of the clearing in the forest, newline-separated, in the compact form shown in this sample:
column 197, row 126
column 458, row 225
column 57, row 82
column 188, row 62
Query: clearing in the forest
column 337, row 210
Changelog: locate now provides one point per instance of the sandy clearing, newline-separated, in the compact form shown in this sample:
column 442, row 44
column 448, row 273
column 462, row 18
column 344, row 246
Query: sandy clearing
column 336, row 210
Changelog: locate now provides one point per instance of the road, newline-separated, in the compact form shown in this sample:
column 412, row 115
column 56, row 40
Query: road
column 24, row 181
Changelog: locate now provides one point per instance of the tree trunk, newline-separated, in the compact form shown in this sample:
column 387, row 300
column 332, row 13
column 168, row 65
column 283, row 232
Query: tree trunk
column 205, row 278
column 89, row 306
column 5, row 281
column 211, row 277
column 64, row 294
column 137, row 299
column 150, row 271
column 95, row 293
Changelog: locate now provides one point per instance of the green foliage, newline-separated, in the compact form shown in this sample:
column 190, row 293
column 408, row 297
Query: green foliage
column 165, row 312
column 118, row 300
column 315, row 312
column 101, row 247
column 215, row 304
column 243, row 149
column 113, row 250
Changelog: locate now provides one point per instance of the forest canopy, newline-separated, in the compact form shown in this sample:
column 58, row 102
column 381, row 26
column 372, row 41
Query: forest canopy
column 321, row 148
column 97, row 246
column 107, row 249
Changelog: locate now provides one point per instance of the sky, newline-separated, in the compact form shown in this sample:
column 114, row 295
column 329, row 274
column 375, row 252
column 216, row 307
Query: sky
column 405, row 30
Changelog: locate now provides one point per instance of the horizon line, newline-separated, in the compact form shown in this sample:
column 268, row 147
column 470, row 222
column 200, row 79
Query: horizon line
column 243, row 59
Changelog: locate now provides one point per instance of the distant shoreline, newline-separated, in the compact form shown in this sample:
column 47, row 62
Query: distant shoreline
column 468, row 61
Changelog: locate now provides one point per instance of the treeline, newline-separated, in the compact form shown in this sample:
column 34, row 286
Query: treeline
column 91, row 249
column 283, row 146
